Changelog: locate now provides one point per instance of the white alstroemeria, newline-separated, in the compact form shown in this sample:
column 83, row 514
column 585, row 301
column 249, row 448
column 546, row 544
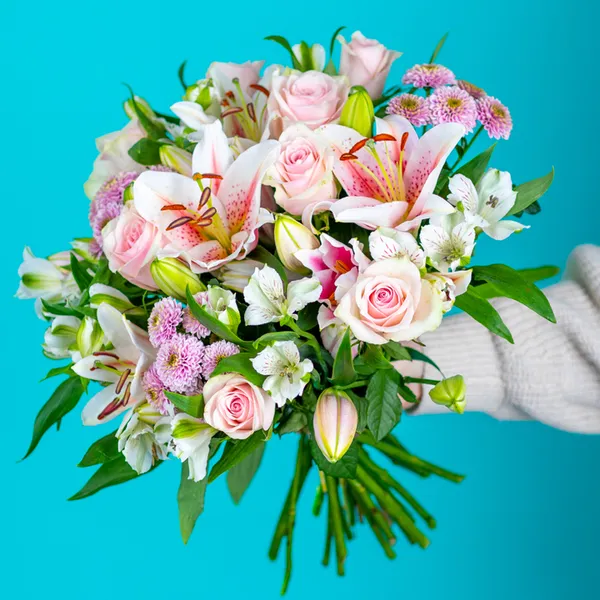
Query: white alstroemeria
column 105, row 294
column 45, row 279
column 222, row 305
column 286, row 373
column 81, row 247
column 485, row 205
column 236, row 274
column 449, row 285
column 60, row 339
column 312, row 58
column 391, row 243
column 143, row 437
column 122, row 367
column 191, row 441
column 448, row 241
column 268, row 303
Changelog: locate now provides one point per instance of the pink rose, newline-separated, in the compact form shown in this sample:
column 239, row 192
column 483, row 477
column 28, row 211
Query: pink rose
column 366, row 62
column 237, row 407
column 390, row 301
column 303, row 172
column 130, row 244
column 223, row 74
column 312, row 97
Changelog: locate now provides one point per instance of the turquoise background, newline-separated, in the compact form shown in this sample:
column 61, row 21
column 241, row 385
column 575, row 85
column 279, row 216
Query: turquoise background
column 525, row 522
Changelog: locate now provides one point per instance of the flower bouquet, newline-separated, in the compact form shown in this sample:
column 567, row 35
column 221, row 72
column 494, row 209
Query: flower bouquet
column 264, row 261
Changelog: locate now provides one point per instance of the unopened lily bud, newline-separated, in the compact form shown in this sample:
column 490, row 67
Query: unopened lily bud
column 90, row 336
column 335, row 422
column 176, row 158
column 203, row 93
column 60, row 338
column 290, row 237
column 40, row 278
column 81, row 247
column 173, row 278
column 358, row 112
column 236, row 274
column 311, row 58
column 450, row 392
column 141, row 104
column 105, row 294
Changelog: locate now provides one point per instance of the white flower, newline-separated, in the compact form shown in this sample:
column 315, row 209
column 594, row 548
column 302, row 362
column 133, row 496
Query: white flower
column 105, row 294
column 143, row 437
column 485, row 205
column 333, row 331
column 448, row 241
column 236, row 274
column 191, row 442
column 390, row 243
column 449, row 285
column 287, row 374
column 312, row 58
column 222, row 305
column 267, row 302
column 60, row 339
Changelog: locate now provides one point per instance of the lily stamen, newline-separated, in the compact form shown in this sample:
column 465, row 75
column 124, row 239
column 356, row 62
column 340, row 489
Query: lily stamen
column 232, row 111
column 174, row 207
column 179, row 223
column 260, row 88
column 125, row 375
column 204, row 197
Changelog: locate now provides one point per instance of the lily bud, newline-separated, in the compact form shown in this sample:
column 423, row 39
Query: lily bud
column 141, row 104
column 236, row 274
column 90, row 337
column 81, row 247
column 203, row 93
column 176, row 158
column 61, row 337
column 451, row 392
column 358, row 112
column 105, row 294
column 173, row 278
column 290, row 237
column 310, row 58
column 40, row 278
column 335, row 422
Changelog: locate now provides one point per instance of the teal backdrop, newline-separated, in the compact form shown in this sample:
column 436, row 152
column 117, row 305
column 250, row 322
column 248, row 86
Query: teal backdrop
column 525, row 522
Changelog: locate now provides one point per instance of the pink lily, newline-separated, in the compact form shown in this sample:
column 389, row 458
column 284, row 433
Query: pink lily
column 390, row 178
column 335, row 265
column 213, row 217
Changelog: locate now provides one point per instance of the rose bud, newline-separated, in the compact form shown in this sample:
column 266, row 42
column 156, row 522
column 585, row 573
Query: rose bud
column 173, row 278
column 176, row 158
column 334, row 423
column 290, row 237
column 450, row 392
column 358, row 112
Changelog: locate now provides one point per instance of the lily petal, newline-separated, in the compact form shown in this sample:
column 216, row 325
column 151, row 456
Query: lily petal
column 212, row 154
column 98, row 403
column 114, row 326
column 368, row 212
column 192, row 114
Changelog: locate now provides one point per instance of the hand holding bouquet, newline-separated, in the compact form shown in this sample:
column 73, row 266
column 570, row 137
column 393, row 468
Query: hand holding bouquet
column 264, row 262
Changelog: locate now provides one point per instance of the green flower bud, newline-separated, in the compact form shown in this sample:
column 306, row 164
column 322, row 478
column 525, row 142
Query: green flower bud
column 90, row 336
column 358, row 112
column 173, row 278
column 290, row 237
column 141, row 104
column 176, row 158
column 451, row 392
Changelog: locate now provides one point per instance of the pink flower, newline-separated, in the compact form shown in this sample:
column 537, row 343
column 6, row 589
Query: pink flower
column 313, row 98
column 131, row 244
column 411, row 107
column 494, row 117
column 224, row 76
column 166, row 315
column 214, row 353
column 303, row 172
column 190, row 323
column 155, row 391
column 472, row 90
column 334, row 423
column 179, row 363
column 390, row 301
column 366, row 62
column 237, row 407
column 429, row 76
column 390, row 179
column 453, row 105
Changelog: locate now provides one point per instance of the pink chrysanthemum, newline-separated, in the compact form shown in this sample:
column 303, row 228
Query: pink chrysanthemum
column 429, row 75
column 164, row 319
column 452, row 105
column 155, row 391
column 179, row 363
column 494, row 117
column 108, row 202
column 190, row 323
column 215, row 353
column 410, row 106
column 472, row 90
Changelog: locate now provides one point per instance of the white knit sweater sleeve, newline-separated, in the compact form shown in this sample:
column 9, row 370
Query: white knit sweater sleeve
column 551, row 373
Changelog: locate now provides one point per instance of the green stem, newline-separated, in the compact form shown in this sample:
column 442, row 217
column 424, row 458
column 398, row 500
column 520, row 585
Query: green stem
column 280, row 529
column 336, row 523
column 370, row 510
column 356, row 384
column 327, row 552
column 349, row 506
column 312, row 340
column 318, row 501
column 421, row 380
column 469, row 144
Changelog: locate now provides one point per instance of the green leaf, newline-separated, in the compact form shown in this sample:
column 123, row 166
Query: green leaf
column 261, row 254
column 63, row 401
column 145, row 152
column 487, row 290
column 483, row 312
column 362, row 408
column 334, row 37
column 111, row 473
column 397, row 351
column 343, row 367
column 59, row 310
column 345, row 467
column 530, row 192
column 235, row 452
column 439, row 46
column 384, row 408
column 152, row 128
column 275, row 336
column 101, row 451
column 190, row 500
column 190, row 405
column 219, row 329
column 371, row 360
column 64, row 370
column 476, row 167
column 511, row 285
column 292, row 423
column 180, row 74
column 278, row 39
column 82, row 278
column 240, row 476
column 239, row 363
column 416, row 355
